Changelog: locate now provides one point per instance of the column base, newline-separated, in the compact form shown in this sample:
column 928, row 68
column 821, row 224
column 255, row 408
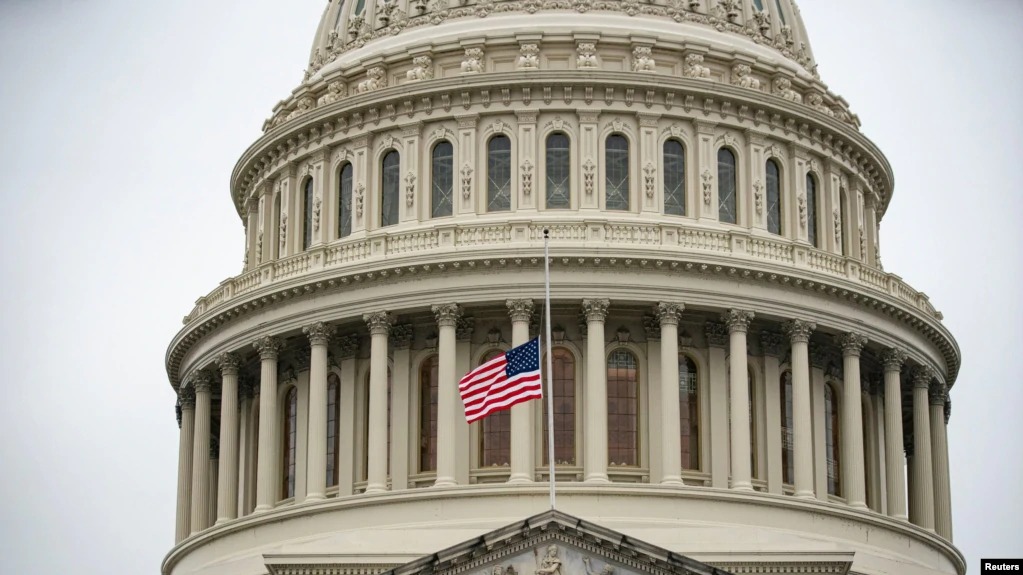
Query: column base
column 859, row 505
column 262, row 508
column 315, row 497
column 223, row 520
column 805, row 495
column 743, row 486
column 672, row 482
column 445, row 482
column 597, row 478
column 374, row 488
column 520, row 478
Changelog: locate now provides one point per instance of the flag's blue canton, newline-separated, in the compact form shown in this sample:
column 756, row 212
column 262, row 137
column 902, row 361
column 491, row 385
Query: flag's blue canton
column 524, row 358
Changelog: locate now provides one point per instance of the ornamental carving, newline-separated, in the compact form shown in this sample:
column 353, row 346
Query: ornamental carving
column 923, row 376
column 758, row 196
column 473, row 62
column 668, row 313
column 316, row 214
column 783, row 88
column 816, row 101
column 401, row 336
column 708, row 179
column 863, row 245
column 376, row 78
column 305, row 104
column 586, row 58
column 319, row 333
column 520, row 309
column 801, row 200
column 201, row 382
column 737, row 320
column 716, row 334
column 852, row 343
column 464, row 328
column 186, row 396
column 772, row 344
column 799, row 330
column 694, row 67
column 283, row 233
column 268, row 347
column 529, row 57
column 741, row 77
column 838, row 226
column 410, row 188
column 348, row 346
column 731, row 8
column 378, row 322
column 588, row 172
column 595, row 309
column 893, row 358
column 526, row 170
column 938, row 392
column 336, row 90
column 466, row 181
column 446, row 314
column 642, row 59
column 762, row 20
column 259, row 246
column 422, row 69
column 649, row 172
column 228, row 363
column 360, row 199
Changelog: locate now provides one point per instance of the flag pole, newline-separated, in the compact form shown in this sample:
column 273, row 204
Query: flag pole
column 550, row 361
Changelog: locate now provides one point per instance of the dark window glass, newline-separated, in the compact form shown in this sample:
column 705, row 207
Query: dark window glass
column 781, row 13
column 751, row 390
column 788, row 469
column 689, row 411
column 290, row 436
column 360, row 6
column 428, row 414
column 831, row 434
column 278, row 242
column 726, row 186
column 811, row 209
column 563, row 374
column 499, row 174
column 773, row 197
column 616, row 176
column 674, row 178
column 443, row 178
column 495, row 431
column 307, row 221
column 558, row 172
column 344, row 204
column 759, row 5
column 390, row 182
column 333, row 416
column 622, row 408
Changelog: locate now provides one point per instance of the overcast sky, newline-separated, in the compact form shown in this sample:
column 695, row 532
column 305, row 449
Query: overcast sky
column 120, row 122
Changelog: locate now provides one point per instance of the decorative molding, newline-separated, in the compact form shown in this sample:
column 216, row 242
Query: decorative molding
column 741, row 76
column 319, row 333
column 642, row 59
column 694, row 67
column 228, row 363
column 268, row 347
column 596, row 309
column 520, row 310
column 401, row 336
column 669, row 313
column 716, row 334
column 758, row 196
column 529, row 57
column 378, row 322
column 410, row 188
column 446, row 314
column 526, row 170
column 737, row 320
column 772, row 344
column 586, row 55
column 852, row 343
column 589, row 168
column 422, row 69
column 473, row 61
column 893, row 358
column 466, row 181
column 798, row 331
column 708, row 179
column 649, row 175
column 376, row 78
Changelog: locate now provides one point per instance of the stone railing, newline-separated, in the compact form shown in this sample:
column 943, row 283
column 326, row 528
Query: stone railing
column 739, row 246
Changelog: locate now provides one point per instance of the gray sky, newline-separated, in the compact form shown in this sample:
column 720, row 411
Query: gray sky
column 121, row 121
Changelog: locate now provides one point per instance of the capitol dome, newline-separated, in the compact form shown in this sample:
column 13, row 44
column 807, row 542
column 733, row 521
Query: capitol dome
column 714, row 218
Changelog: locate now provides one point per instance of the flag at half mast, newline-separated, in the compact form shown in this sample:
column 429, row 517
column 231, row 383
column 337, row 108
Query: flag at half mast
column 508, row 379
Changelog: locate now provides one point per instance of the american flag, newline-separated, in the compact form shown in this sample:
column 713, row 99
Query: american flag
column 510, row 378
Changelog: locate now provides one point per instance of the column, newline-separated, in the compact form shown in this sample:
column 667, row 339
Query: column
column 923, row 472
column 880, row 479
column 717, row 342
column 895, row 484
column 244, row 446
column 268, row 348
column 802, row 443
column 316, row 477
column 203, row 384
column 595, row 395
column 379, row 324
column 465, row 327
column 212, row 483
column 771, row 345
column 348, row 348
column 852, row 421
column 738, row 322
column 227, row 474
column 671, row 432
column 818, row 361
column 939, row 457
column 447, row 393
column 522, row 459
column 401, row 392
column 186, row 397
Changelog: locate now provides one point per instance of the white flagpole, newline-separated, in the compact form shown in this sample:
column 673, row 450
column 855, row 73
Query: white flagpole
column 550, row 361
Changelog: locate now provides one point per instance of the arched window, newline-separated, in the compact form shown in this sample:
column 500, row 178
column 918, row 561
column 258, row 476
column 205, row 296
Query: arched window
column 333, row 417
column 495, row 431
column 773, row 198
column 428, row 414
column 689, row 411
column 616, row 172
column 307, row 219
column 811, row 209
column 442, row 180
column 344, row 202
column 278, row 241
column 558, row 170
column 390, row 178
column 365, row 423
column 290, row 435
column 360, row 6
column 727, row 206
column 563, row 376
column 781, row 13
column 499, row 174
column 759, row 5
column 831, row 431
column 788, row 462
column 841, row 229
column 622, row 408
column 674, row 178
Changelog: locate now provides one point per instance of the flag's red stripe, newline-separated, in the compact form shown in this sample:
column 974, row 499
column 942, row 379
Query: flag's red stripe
column 499, row 390
column 484, row 370
column 504, row 405
column 525, row 385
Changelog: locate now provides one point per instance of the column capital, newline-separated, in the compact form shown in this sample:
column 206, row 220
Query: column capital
column 852, row 343
column 348, row 345
column 228, row 363
column 401, row 336
column 772, row 344
column 893, row 358
column 520, row 309
column 668, row 312
column 186, row 395
column 446, row 314
column 319, row 333
column 716, row 333
column 737, row 320
column 948, row 408
column 595, row 309
column 799, row 330
column 201, row 382
column 939, row 392
column 922, row 377
column 269, row 347
column 379, row 322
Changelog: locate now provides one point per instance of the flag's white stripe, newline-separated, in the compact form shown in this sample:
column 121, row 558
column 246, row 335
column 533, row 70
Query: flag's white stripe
column 499, row 391
column 525, row 386
column 491, row 408
column 481, row 375
column 485, row 369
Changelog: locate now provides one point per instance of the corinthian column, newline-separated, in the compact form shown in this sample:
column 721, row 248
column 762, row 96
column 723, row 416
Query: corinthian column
column 595, row 465
column 802, row 431
column 316, row 477
column 738, row 322
column 447, row 393
column 268, row 348
column 522, row 461
column 227, row 474
column 203, row 384
column 379, row 327
column 939, row 455
column 186, row 434
column 923, row 471
column 852, row 421
column 668, row 314
column 894, row 459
